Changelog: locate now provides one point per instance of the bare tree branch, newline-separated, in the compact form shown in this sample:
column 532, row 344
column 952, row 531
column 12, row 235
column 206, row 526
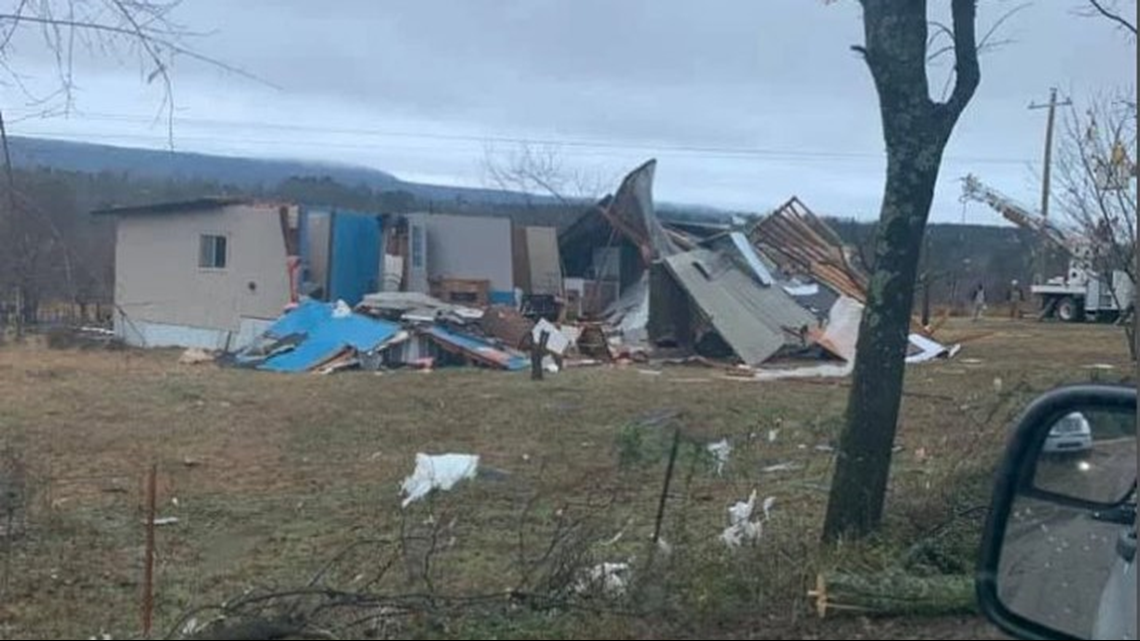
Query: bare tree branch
column 1098, row 188
column 148, row 35
column 966, row 66
column 1100, row 8
column 539, row 171
column 143, row 29
column 992, row 31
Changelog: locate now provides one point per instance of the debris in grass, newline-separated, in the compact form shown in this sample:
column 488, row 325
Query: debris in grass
column 611, row 579
column 720, row 450
column 195, row 356
column 783, row 467
column 741, row 528
column 440, row 472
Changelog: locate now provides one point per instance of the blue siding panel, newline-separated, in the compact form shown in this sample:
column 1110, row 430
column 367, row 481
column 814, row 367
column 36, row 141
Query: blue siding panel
column 354, row 268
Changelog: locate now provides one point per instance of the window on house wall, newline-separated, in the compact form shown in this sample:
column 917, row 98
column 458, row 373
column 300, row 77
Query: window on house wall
column 417, row 246
column 212, row 252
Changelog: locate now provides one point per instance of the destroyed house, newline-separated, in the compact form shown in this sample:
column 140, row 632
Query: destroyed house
column 660, row 286
column 215, row 272
column 608, row 250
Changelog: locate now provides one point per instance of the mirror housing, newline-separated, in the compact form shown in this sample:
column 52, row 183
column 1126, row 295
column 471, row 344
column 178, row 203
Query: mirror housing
column 1018, row 479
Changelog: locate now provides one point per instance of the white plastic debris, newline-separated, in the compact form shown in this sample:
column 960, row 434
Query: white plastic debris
column 840, row 337
column 190, row 627
column 556, row 341
column 741, row 528
column 769, row 503
column 929, row 350
column 611, row 579
column 742, row 511
column 802, row 289
column 440, row 472
column 341, row 310
column 782, row 467
column 720, row 451
column 195, row 356
column 773, row 435
column 549, row 365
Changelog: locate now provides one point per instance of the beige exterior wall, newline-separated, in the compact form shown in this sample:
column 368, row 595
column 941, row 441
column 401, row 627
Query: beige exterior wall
column 158, row 280
column 468, row 247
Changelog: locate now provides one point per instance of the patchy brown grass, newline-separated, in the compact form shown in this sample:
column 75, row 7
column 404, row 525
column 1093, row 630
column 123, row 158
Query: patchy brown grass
column 274, row 474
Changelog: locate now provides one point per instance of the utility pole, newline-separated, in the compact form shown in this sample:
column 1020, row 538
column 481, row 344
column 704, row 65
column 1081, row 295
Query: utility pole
column 1047, row 171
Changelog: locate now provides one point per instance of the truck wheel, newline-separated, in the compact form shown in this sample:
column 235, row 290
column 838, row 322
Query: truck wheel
column 1067, row 310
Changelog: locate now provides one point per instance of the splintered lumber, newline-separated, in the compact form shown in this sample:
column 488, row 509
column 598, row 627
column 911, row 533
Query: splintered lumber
column 892, row 593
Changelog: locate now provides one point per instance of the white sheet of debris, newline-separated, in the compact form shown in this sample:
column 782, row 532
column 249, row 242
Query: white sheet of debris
column 557, row 342
column 929, row 349
column 720, row 451
column 341, row 310
column 195, row 356
column 841, row 334
column 437, row 472
column 611, row 579
column 742, row 528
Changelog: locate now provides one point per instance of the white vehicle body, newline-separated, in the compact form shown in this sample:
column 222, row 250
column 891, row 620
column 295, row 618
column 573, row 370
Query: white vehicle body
column 1116, row 617
column 1071, row 434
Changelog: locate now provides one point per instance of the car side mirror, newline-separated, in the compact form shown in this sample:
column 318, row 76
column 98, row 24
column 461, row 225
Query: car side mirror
column 1057, row 558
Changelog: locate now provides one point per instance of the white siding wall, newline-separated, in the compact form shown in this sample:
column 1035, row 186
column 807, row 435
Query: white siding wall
column 168, row 298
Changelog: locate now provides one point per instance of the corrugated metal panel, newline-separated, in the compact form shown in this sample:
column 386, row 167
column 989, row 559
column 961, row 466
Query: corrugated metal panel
column 477, row 349
column 325, row 336
column 755, row 321
column 631, row 213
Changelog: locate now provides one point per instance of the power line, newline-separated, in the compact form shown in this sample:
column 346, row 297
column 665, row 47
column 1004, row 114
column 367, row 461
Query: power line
column 582, row 146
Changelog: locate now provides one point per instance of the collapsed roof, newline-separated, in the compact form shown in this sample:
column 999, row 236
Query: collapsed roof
column 755, row 320
column 799, row 242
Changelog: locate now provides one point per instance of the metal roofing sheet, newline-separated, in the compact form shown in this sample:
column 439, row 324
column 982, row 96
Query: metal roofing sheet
column 754, row 320
column 325, row 336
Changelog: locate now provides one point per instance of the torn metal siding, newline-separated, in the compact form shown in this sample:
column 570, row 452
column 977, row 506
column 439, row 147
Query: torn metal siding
column 748, row 252
column 631, row 213
column 755, row 321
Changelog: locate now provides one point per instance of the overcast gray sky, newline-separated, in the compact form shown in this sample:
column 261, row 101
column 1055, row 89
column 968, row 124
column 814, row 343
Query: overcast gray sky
column 744, row 103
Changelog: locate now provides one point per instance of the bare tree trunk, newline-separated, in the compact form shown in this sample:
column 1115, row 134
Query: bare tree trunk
column 860, row 482
column 916, row 130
